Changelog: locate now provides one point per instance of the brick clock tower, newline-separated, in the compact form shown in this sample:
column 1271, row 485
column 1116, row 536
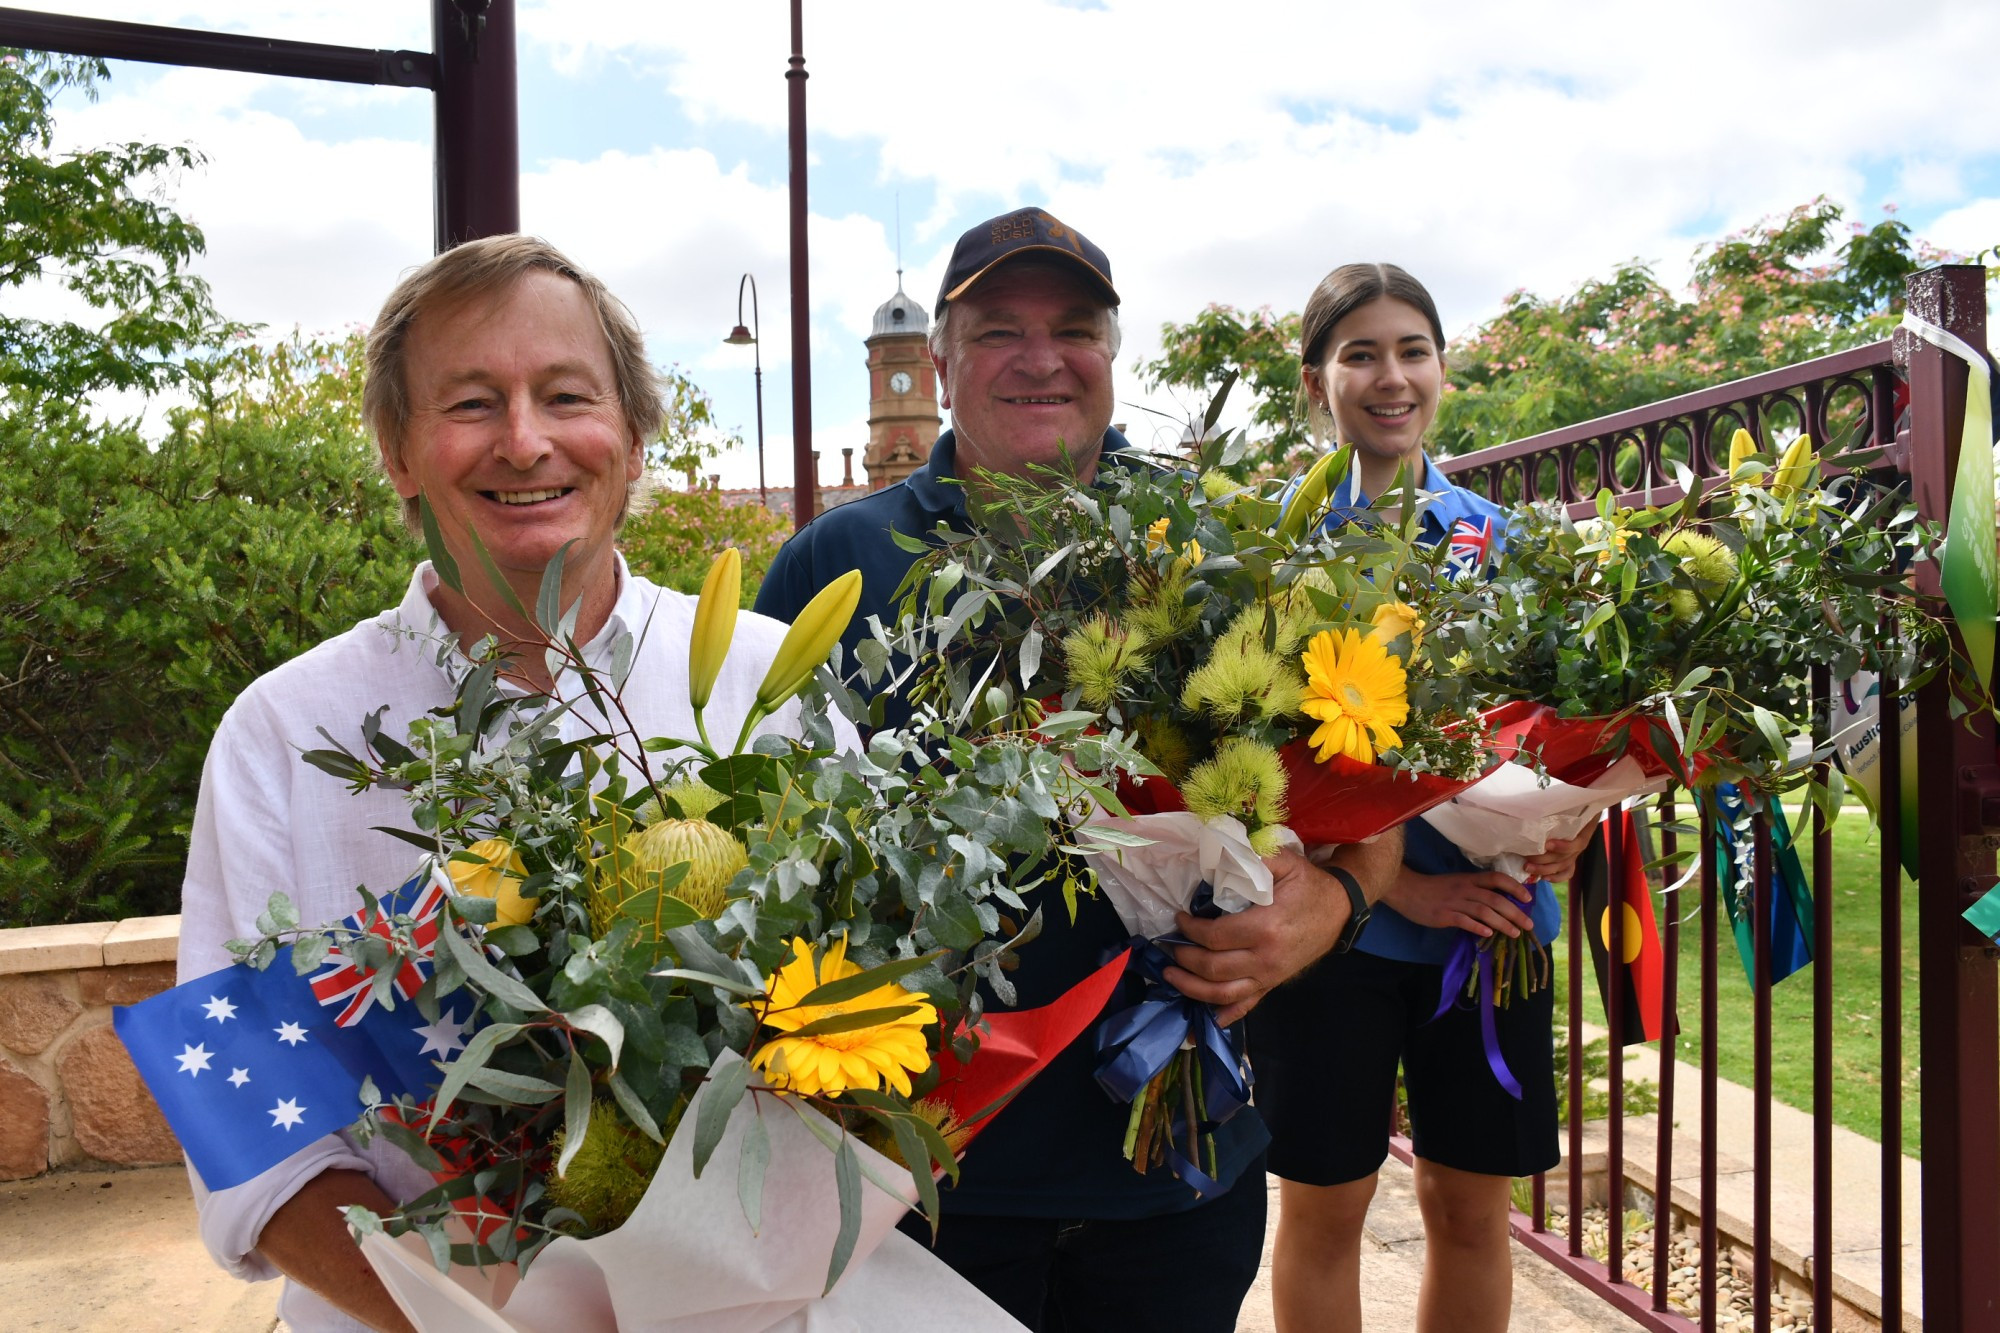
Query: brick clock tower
column 903, row 419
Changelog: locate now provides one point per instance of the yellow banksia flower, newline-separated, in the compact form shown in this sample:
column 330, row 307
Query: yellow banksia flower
column 491, row 868
column 610, row 1172
column 882, row 1054
column 1357, row 691
column 1243, row 779
column 712, row 853
column 1242, row 679
column 714, row 624
column 1099, row 656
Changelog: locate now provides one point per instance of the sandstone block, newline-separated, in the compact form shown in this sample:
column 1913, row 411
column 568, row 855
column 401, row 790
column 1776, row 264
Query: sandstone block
column 53, row 948
column 143, row 939
column 113, row 1115
column 33, row 1012
column 24, row 1125
column 124, row 985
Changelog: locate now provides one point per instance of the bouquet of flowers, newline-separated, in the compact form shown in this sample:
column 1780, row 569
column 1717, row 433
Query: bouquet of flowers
column 643, row 952
column 1271, row 675
column 1670, row 645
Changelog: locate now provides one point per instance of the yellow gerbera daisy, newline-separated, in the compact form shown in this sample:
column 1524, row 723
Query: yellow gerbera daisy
column 1358, row 692
column 829, row 1063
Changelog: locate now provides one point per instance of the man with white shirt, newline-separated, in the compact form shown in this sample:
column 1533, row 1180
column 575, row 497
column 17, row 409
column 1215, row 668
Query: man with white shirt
column 510, row 390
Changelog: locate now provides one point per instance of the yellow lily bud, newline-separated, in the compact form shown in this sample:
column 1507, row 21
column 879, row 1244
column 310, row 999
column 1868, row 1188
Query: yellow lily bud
column 1741, row 450
column 1396, row 620
column 714, row 624
column 1310, row 497
column 809, row 640
column 1795, row 469
column 491, row 868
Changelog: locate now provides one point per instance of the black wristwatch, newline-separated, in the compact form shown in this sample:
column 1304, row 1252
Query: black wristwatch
column 1358, row 917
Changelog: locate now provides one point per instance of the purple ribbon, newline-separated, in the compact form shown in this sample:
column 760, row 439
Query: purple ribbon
column 1462, row 963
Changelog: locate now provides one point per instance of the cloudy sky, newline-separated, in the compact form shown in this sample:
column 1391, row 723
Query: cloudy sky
column 1218, row 152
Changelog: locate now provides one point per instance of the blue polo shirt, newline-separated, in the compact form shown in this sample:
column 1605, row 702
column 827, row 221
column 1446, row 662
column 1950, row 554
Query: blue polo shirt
column 1055, row 1151
column 1481, row 528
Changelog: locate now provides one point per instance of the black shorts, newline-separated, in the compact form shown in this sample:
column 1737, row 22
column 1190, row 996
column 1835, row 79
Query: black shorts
column 1325, row 1049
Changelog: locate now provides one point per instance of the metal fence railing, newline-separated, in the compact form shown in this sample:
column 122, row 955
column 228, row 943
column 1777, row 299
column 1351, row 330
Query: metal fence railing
column 1893, row 406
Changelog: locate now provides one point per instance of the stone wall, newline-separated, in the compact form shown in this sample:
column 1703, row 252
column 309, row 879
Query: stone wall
column 69, row 1095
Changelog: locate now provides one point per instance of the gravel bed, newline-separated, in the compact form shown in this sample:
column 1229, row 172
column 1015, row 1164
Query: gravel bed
column 1733, row 1287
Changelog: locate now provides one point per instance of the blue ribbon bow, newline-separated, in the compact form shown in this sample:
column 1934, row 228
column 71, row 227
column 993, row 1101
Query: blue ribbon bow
column 1136, row 1044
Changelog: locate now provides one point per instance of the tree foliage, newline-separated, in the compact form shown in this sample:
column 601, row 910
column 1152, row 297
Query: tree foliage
column 678, row 536
column 1785, row 290
column 144, row 584
column 1200, row 355
column 85, row 228
column 690, row 436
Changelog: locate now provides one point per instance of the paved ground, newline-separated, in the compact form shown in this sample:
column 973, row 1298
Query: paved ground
column 96, row 1251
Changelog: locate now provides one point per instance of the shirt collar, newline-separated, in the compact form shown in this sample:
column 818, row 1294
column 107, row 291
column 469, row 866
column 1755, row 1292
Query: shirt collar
column 935, row 485
column 416, row 615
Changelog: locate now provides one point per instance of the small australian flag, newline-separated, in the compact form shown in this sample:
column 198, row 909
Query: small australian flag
column 250, row 1066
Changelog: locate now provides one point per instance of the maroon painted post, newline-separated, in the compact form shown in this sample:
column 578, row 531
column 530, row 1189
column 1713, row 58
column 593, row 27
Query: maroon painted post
column 1614, row 1045
column 1822, row 1033
column 805, row 476
column 1960, row 1037
column 1711, row 904
column 1577, row 947
column 1670, row 967
column 477, row 120
column 1760, row 1078
column 1890, row 769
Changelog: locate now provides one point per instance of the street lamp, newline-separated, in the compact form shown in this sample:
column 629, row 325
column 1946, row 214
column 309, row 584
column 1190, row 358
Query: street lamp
column 738, row 336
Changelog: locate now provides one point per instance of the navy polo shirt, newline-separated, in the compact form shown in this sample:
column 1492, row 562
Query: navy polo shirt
column 1054, row 1152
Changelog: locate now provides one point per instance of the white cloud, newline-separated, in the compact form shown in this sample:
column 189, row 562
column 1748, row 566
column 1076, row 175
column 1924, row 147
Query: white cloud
column 1218, row 154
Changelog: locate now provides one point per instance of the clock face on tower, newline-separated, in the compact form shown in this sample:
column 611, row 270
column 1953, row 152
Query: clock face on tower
column 900, row 382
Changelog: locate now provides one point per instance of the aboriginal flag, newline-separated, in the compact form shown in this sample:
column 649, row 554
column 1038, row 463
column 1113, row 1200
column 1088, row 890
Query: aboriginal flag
column 1644, row 962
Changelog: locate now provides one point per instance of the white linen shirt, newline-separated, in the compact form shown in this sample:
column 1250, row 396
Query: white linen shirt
column 265, row 821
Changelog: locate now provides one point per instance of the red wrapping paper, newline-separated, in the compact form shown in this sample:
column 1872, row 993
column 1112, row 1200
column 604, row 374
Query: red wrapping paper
column 1018, row 1045
column 1344, row 800
column 1578, row 750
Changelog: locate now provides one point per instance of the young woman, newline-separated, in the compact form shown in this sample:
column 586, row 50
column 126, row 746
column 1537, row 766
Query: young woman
column 1326, row 1047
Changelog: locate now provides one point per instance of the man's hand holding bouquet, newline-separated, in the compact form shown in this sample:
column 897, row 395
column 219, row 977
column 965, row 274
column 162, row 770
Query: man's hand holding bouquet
column 1270, row 672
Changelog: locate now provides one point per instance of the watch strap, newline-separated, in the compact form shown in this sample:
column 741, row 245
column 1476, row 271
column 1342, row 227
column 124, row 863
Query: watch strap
column 1358, row 916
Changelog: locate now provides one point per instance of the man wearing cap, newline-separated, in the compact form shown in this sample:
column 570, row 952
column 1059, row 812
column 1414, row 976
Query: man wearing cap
column 1048, row 1218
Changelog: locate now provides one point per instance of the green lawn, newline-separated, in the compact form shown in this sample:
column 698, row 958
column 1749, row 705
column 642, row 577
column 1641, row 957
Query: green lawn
column 1857, row 995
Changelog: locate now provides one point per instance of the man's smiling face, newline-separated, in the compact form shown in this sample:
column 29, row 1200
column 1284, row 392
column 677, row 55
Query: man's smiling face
column 1027, row 370
column 515, row 427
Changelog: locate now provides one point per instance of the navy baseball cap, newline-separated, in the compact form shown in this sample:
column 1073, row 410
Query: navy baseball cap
column 1021, row 232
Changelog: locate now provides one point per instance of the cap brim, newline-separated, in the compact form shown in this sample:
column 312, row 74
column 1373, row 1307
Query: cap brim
column 1071, row 255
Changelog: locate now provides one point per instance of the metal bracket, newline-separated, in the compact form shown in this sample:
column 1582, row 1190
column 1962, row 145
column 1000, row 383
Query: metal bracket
column 1979, row 796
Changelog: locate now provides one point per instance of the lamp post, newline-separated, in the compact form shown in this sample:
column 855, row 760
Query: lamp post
column 737, row 337
column 804, row 478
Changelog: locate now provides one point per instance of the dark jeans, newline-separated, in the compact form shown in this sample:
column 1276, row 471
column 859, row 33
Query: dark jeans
column 1184, row 1272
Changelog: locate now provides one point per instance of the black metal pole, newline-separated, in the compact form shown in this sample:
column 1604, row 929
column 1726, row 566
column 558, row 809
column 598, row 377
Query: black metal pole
column 478, row 168
column 803, row 479
column 757, row 362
